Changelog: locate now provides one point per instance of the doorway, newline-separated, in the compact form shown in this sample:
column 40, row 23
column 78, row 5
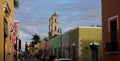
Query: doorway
column 113, row 31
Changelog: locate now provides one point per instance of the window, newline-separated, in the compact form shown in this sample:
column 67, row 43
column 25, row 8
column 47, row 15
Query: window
column 5, row 28
column 59, row 52
column 55, row 20
column 55, row 49
column 55, row 28
column 113, row 30
column 113, row 26
column 113, row 19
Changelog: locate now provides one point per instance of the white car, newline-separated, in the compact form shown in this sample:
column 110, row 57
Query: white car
column 65, row 59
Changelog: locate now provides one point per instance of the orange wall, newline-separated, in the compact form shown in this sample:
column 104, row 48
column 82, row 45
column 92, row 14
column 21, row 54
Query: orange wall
column 1, row 30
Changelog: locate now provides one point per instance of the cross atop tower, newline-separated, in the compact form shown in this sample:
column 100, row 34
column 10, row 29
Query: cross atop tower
column 55, row 14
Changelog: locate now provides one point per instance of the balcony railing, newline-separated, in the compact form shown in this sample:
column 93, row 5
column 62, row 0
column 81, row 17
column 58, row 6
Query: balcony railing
column 111, row 47
column 7, row 8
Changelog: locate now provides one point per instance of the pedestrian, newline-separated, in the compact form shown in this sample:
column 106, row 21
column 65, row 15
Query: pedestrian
column 20, row 56
column 43, row 57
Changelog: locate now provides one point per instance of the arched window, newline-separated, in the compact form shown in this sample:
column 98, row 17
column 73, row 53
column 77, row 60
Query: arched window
column 55, row 20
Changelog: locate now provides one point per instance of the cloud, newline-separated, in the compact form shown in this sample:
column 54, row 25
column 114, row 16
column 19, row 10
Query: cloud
column 43, row 34
column 66, row 28
column 30, row 29
column 34, row 15
column 77, row 13
column 24, row 38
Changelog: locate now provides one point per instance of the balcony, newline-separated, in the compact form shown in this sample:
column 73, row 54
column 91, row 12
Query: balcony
column 5, row 28
column 7, row 8
column 111, row 47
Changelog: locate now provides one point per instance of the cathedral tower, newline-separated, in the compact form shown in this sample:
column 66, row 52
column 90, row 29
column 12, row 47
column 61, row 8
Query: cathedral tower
column 53, row 26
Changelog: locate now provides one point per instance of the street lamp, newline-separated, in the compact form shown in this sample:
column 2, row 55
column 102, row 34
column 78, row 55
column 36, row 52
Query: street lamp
column 73, row 46
column 94, row 51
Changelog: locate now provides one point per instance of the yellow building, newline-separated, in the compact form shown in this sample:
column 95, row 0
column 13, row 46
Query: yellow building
column 1, row 31
column 39, row 46
column 76, row 44
column 6, row 30
column 88, row 35
column 80, row 40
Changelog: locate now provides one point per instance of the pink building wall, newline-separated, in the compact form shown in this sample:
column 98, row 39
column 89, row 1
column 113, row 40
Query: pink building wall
column 16, row 27
column 47, row 47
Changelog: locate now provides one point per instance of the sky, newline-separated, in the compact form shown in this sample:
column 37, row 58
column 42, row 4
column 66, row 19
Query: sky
column 33, row 16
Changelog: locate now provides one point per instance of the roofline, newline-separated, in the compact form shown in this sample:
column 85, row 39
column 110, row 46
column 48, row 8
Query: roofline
column 88, row 27
column 16, row 21
column 82, row 27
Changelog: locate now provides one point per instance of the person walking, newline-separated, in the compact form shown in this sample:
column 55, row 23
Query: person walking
column 20, row 56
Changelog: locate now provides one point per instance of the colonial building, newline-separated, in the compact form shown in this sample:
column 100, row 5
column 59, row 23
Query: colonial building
column 1, row 30
column 6, row 29
column 53, row 26
column 56, row 46
column 111, row 29
column 16, row 40
column 76, row 44
column 80, row 40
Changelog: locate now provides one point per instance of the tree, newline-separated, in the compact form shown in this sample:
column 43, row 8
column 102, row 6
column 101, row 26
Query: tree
column 35, row 39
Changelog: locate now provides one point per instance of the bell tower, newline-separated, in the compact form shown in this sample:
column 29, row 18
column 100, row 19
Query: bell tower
column 53, row 26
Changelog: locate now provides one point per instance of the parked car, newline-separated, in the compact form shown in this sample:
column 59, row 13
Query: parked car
column 65, row 59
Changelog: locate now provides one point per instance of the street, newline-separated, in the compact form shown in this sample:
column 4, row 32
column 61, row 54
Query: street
column 32, row 59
